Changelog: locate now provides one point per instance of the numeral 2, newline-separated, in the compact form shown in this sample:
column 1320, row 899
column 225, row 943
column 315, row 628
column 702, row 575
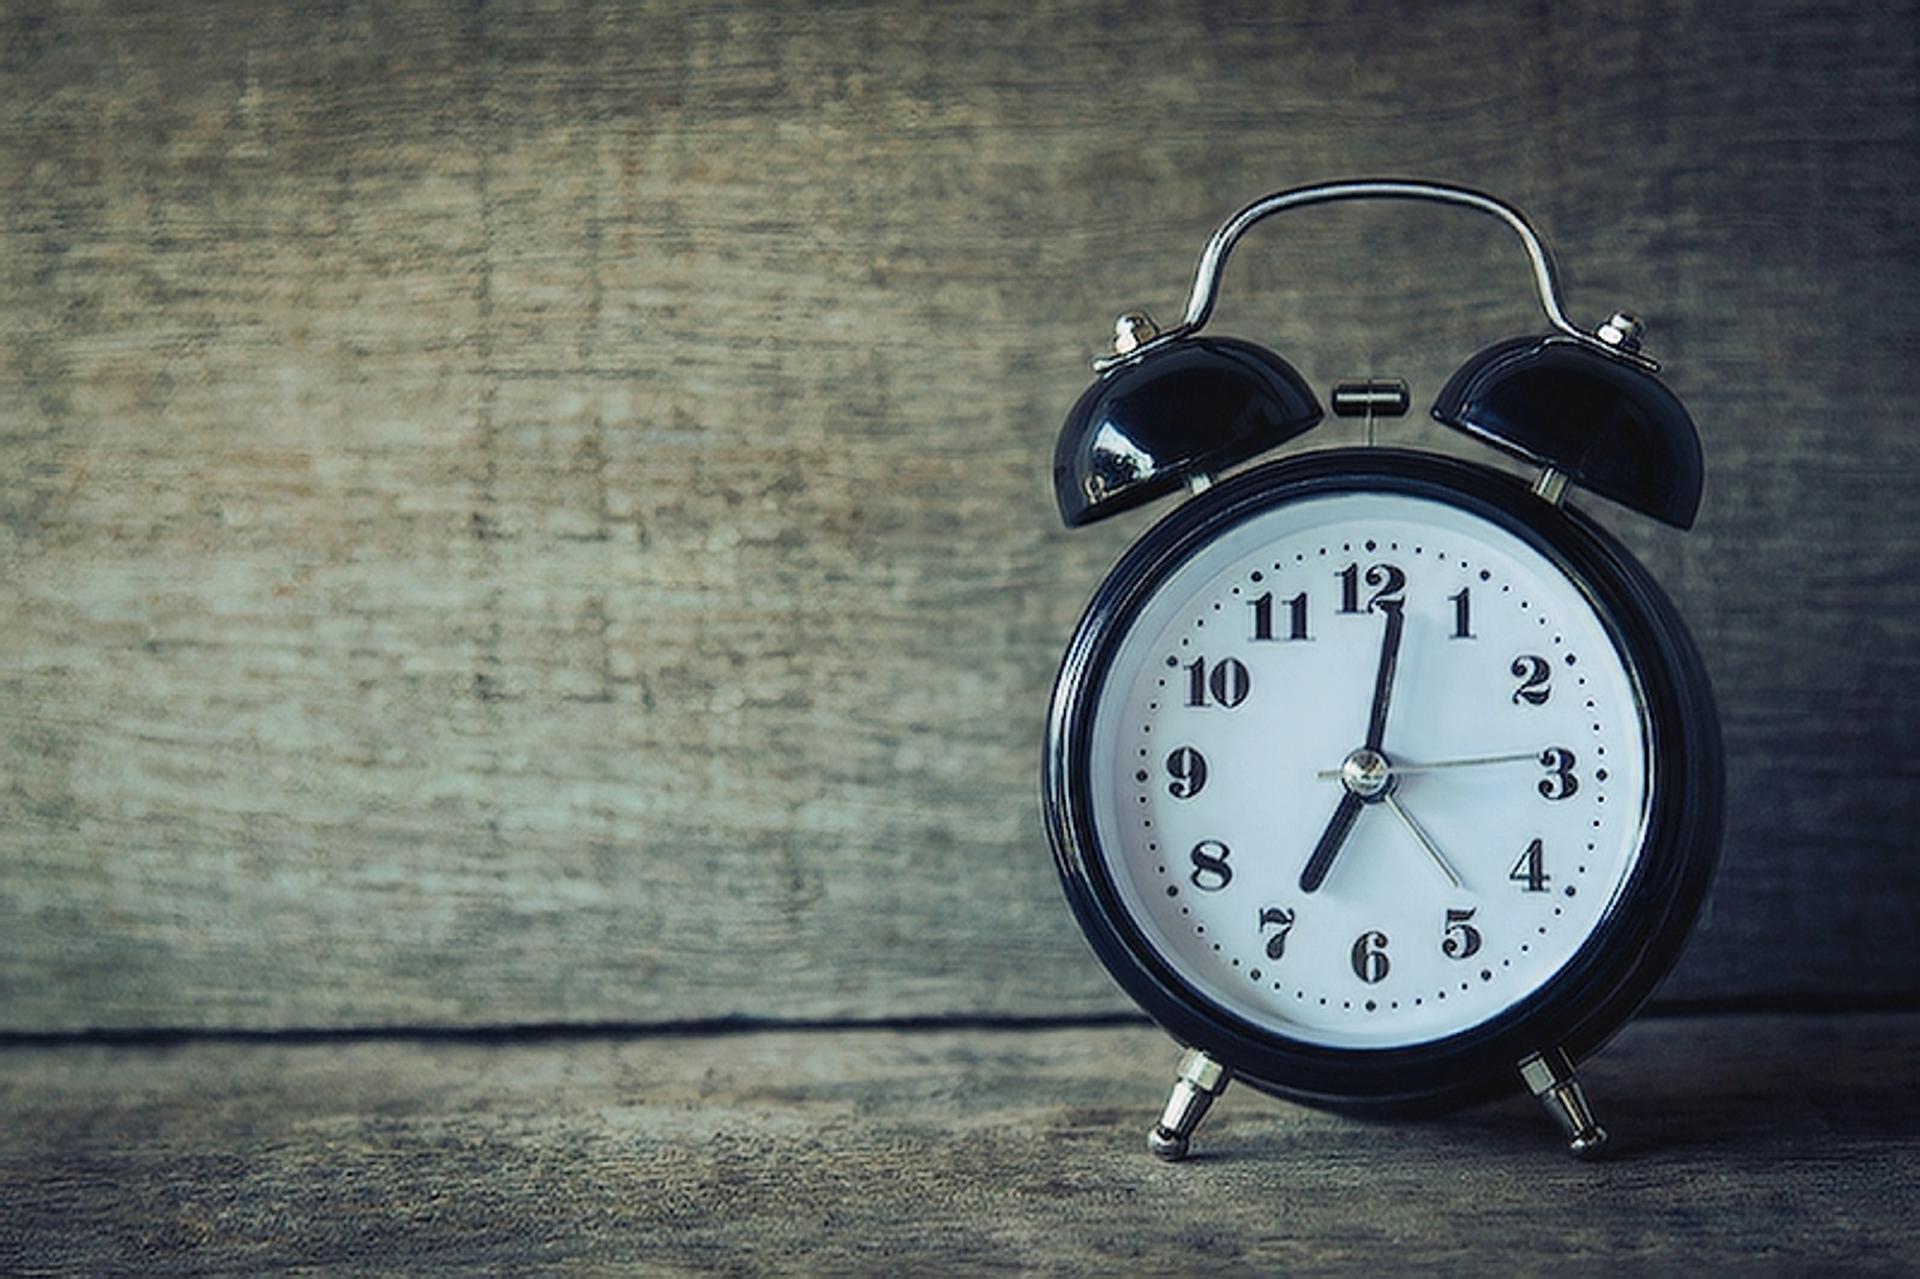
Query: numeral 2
column 1534, row 672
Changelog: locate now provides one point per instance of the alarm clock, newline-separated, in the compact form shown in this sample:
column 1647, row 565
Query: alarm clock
column 1380, row 779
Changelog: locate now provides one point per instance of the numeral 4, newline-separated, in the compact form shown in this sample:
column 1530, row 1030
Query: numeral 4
column 1531, row 869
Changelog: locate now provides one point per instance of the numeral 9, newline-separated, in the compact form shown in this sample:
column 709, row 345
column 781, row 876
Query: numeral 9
column 1188, row 768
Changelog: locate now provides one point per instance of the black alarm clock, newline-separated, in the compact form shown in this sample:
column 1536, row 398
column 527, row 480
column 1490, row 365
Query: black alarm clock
column 1381, row 780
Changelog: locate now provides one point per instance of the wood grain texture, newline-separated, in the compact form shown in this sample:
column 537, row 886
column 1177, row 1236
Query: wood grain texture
column 540, row 513
column 957, row 1152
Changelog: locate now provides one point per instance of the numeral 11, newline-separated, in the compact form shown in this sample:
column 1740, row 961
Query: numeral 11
column 1296, row 616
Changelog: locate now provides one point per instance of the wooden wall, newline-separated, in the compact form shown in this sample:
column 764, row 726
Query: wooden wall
column 528, row 514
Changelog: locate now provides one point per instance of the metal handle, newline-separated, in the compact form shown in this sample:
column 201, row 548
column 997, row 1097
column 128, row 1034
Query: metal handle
column 1213, row 260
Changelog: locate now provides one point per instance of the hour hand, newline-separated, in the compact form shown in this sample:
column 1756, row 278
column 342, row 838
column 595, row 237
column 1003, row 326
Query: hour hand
column 1330, row 841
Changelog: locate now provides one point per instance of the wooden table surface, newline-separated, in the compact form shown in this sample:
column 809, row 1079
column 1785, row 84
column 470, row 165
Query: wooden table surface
column 1757, row 1142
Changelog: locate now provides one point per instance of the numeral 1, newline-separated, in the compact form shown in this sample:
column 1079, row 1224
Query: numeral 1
column 1462, row 615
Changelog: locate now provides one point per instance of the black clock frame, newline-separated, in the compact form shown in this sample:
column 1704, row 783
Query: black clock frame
column 1621, row 961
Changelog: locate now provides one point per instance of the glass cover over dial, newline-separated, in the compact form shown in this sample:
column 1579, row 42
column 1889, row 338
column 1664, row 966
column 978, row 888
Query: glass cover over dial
column 1367, row 770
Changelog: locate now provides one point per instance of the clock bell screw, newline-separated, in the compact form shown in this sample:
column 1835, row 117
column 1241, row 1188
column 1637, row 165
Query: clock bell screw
column 1201, row 1079
column 1549, row 1076
column 1621, row 330
column 1132, row 331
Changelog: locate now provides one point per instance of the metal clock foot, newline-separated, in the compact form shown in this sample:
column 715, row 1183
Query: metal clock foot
column 1201, row 1079
column 1550, row 1077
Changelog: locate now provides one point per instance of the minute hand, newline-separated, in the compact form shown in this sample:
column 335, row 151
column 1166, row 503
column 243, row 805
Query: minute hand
column 1383, row 679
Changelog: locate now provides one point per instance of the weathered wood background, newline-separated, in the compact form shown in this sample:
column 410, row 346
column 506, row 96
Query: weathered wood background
column 540, row 513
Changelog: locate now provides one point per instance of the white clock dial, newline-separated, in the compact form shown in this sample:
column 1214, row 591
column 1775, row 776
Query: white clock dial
column 1463, row 866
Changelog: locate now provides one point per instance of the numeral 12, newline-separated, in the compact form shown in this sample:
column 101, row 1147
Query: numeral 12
column 1390, row 582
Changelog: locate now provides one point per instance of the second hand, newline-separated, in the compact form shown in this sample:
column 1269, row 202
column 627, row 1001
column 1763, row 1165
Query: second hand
column 1334, row 774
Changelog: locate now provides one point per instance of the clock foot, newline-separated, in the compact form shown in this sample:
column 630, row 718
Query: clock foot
column 1550, row 1077
column 1201, row 1079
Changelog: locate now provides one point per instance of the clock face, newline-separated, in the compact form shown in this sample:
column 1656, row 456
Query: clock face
column 1367, row 770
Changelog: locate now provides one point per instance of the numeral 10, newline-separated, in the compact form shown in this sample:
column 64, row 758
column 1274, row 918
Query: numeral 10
column 1228, row 682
